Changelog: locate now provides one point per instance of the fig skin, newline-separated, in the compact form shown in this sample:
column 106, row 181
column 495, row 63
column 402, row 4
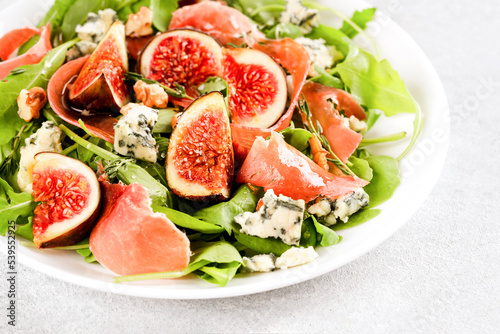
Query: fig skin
column 99, row 86
column 80, row 222
column 200, row 162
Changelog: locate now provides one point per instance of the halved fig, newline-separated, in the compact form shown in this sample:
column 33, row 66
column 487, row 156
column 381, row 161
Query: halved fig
column 185, row 57
column 69, row 194
column 257, row 88
column 200, row 160
column 100, row 85
column 130, row 238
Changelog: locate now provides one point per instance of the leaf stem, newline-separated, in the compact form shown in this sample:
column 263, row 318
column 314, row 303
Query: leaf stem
column 267, row 8
column 417, row 128
column 383, row 139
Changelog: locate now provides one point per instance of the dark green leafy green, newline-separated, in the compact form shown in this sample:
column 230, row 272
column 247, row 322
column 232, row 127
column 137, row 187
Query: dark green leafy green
column 13, row 205
column 298, row 138
column 361, row 19
column 326, row 236
column 77, row 14
column 222, row 214
column 164, row 124
column 36, row 75
column 262, row 246
column 376, row 83
column 162, row 13
column 184, row 220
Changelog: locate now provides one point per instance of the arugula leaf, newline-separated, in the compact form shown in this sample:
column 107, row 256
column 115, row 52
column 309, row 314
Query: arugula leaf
column 331, row 36
column 327, row 79
column 13, row 205
column 162, row 12
column 26, row 230
column 361, row 168
column 376, row 83
column 361, row 19
column 222, row 214
column 184, row 220
column 282, row 30
column 36, row 75
column 215, row 84
column 385, row 179
column 298, row 138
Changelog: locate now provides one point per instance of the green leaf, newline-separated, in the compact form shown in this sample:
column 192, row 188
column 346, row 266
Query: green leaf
column 184, row 220
column 327, row 237
column 162, row 13
column 262, row 246
column 331, row 36
column 36, row 75
column 358, row 218
column 13, row 205
column 164, row 124
column 282, row 30
column 220, row 274
column 77, row 14
column 361, row 19
column 361, row 168
column 385, row 179
column 222, row 214
column 327, row 79
column 26, row 230
column 375, row 83
column 298, row 138
column 308, row 235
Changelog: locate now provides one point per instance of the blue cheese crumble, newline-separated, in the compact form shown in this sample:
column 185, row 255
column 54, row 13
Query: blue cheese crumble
column 320, row 54
column 342, row 208
column 296, row 13
column 279, row 217
column 91, row 32
column 134, row 132
column 45, row 139
column 293, row 257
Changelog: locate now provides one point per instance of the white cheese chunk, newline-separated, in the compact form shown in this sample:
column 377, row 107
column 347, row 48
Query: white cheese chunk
column 261, row 263
column 45, row 139
column 357, row 125
column 134, row 133
column 279, row 217
column 296, row 256
column 342, row 208
column 320, row 55
column 296, row 13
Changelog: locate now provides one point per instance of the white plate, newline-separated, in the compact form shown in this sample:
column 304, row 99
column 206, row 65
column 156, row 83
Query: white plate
column 420, row 171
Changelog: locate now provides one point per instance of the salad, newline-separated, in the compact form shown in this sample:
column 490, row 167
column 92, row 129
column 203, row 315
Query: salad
column 159, row 140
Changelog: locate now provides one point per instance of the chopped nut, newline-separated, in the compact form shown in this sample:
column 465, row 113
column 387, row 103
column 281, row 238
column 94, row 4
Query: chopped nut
column 319, row 153
column 139, row 24
column 151, row 95
column 31, row 102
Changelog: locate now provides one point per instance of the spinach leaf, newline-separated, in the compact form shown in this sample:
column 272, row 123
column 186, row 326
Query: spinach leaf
column 55, row 16
column 187, row 221
column 358, row 218
column 298, row 138
column 222, row 214
column 361, row 168
column 385, row 179
column 326, row 236
column 376, row 83
column 164, row 124
column 308, row 235
column 361, row 19
column 162, row 13
column 219, row 274
column 262, row 246
column 13, row 205
column 36, row 75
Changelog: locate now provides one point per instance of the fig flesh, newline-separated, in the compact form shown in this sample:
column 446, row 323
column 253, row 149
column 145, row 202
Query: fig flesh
column 100, row 85
column 69, row 194
column 257, row 88
column 200, row 160
column 185, row 57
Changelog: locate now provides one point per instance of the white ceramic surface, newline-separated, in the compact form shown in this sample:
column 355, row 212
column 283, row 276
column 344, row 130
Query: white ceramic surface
column 420, row 171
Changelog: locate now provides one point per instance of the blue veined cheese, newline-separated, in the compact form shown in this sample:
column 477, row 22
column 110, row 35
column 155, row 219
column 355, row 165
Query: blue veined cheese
column 91, row 32
column 296, row 256
column 320, row 54
column 45, row 139
column 261, row 263
column 342, row 208
column 134, row 132
column 279, row 217
column 293, row 257
column 296, row 13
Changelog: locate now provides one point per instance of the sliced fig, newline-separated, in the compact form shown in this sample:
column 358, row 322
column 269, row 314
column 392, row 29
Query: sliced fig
column 130, row 238
column 69, row 194
column 185, row 57
column 200, row 160
column 100, row 85
column 257, row 88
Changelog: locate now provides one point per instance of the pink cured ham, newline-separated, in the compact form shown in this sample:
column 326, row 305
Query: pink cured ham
column 131, row 239
column 273, row 164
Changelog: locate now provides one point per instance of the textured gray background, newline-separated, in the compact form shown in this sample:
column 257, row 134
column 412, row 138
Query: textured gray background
column 439, row 273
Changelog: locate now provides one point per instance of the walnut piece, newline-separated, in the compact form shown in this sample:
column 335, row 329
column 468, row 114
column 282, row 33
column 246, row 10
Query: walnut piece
column 139, row 24
column 151, row 95
column 30, row 103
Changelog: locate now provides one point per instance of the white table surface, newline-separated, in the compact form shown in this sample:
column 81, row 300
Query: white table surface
column 439, row 274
